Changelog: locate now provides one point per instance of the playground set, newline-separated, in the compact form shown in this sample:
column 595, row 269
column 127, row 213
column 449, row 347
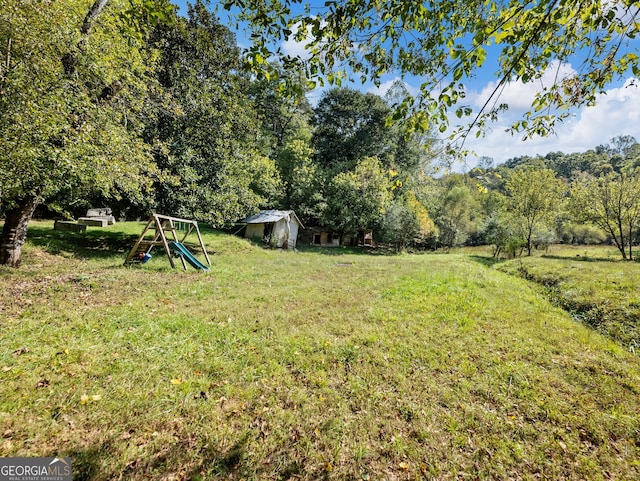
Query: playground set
column 164, row 230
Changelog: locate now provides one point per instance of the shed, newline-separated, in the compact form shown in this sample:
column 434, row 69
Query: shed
column 278, row 228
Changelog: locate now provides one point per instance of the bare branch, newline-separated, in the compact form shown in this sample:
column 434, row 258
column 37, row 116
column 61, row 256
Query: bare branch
column 70, row 58
column 92, row 14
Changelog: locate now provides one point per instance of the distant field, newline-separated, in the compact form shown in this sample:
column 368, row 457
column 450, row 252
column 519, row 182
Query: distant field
column 326, row 364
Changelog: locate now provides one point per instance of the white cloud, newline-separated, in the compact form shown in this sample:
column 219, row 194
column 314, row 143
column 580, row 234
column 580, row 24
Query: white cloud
column 298, row 48
column 616, row 113
column 519, row 95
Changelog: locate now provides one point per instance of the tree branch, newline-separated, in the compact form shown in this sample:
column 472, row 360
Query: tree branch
column 92, row 14
column 70, row 58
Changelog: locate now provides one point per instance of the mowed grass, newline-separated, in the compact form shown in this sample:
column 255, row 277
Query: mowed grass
column 326, row 364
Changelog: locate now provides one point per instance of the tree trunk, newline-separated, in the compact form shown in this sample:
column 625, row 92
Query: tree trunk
column 631, row 240
column 14, row 232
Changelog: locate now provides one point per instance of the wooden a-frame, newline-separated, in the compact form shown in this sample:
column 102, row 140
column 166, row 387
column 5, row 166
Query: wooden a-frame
column 164, row 226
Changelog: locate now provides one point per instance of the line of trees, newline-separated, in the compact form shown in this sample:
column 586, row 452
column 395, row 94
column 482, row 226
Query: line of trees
column 125, row 102
column 531, row 202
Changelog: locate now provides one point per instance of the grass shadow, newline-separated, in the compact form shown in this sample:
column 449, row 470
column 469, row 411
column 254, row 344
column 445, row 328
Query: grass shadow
column 93, row 462
column 486, row 261
column 94, row 243
column 580, row 258
column 344, row 250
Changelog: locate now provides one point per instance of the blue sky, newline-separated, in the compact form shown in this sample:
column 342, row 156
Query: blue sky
column 616, row 113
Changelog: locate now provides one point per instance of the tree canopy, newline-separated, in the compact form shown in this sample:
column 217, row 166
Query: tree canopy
column 205, row 133
column 535, row 196
column 351, row 125
column 611, row 202
column 445, row 42
column 73, row 81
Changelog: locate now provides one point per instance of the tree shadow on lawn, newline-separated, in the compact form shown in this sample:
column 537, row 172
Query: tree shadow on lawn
column 93, row 243
column 580, row 258
column 486, row 261
column 491, row 261
column 349, row 250
column 100, row 462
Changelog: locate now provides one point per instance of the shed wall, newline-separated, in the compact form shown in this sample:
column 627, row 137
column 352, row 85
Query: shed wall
column 254, row 230
column 293, row 233
column 279, row 235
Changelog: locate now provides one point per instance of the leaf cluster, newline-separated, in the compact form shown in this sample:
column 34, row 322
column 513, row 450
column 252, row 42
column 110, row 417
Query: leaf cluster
column 447, row 42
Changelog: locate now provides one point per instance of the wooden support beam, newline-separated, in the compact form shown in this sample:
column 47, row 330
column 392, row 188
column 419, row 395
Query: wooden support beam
column 165, row 230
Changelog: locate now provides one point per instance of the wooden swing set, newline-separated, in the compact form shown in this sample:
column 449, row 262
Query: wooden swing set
column 166, row 235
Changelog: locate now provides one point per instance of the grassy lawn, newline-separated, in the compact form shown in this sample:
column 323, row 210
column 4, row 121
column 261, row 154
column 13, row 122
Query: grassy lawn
column 326, row 364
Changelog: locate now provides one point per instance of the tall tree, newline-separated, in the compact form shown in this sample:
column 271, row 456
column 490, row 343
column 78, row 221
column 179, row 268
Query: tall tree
column 73, row 80
column 446, row 41
column 534, row 198
column 611, row 202
column 455, row 212
column 303, row 181
column 350, row 126
column 208, row 132
column 285, row 112
column 407, row 222
column 285, row 115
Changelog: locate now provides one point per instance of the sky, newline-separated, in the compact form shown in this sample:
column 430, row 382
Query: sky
column 617, row 111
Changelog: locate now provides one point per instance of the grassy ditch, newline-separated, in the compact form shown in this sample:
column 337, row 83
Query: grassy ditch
column 599, row 291
column 325, row 364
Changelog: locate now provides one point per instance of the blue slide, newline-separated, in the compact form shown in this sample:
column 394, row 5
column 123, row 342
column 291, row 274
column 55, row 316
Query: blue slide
column 183, row 252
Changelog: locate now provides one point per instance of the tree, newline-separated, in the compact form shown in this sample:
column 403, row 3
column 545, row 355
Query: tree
column 73, row 81
column 407, row 222
column 206, row 131
column 611, row 202
column 443, row 42
column 623, row 144
column 455, row 213
column 534, row 198
column 497, row 234
column 358, row 199
column 285, row 113
column 303, row 181
column 412, row 152
column 350, row 126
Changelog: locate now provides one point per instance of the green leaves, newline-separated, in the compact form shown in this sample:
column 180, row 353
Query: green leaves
column 534, row 197
column 358, row 198
column 351, row 125
column 611, row 202
column 449, row 40
column 71, row 127
column 211, row 140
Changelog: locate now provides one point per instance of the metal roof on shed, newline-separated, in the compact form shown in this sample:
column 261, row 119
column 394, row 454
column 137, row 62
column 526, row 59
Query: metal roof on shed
column 267, row 216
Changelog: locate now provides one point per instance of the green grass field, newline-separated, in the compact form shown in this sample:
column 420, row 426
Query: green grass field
column 325, row 364
column 593, row 284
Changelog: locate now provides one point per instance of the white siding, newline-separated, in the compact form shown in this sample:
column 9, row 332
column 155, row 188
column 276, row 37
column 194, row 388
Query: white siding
column 254, row 230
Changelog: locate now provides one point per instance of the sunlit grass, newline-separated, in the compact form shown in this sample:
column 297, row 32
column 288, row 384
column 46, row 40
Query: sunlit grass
column 321, row 364
column 594, row 285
